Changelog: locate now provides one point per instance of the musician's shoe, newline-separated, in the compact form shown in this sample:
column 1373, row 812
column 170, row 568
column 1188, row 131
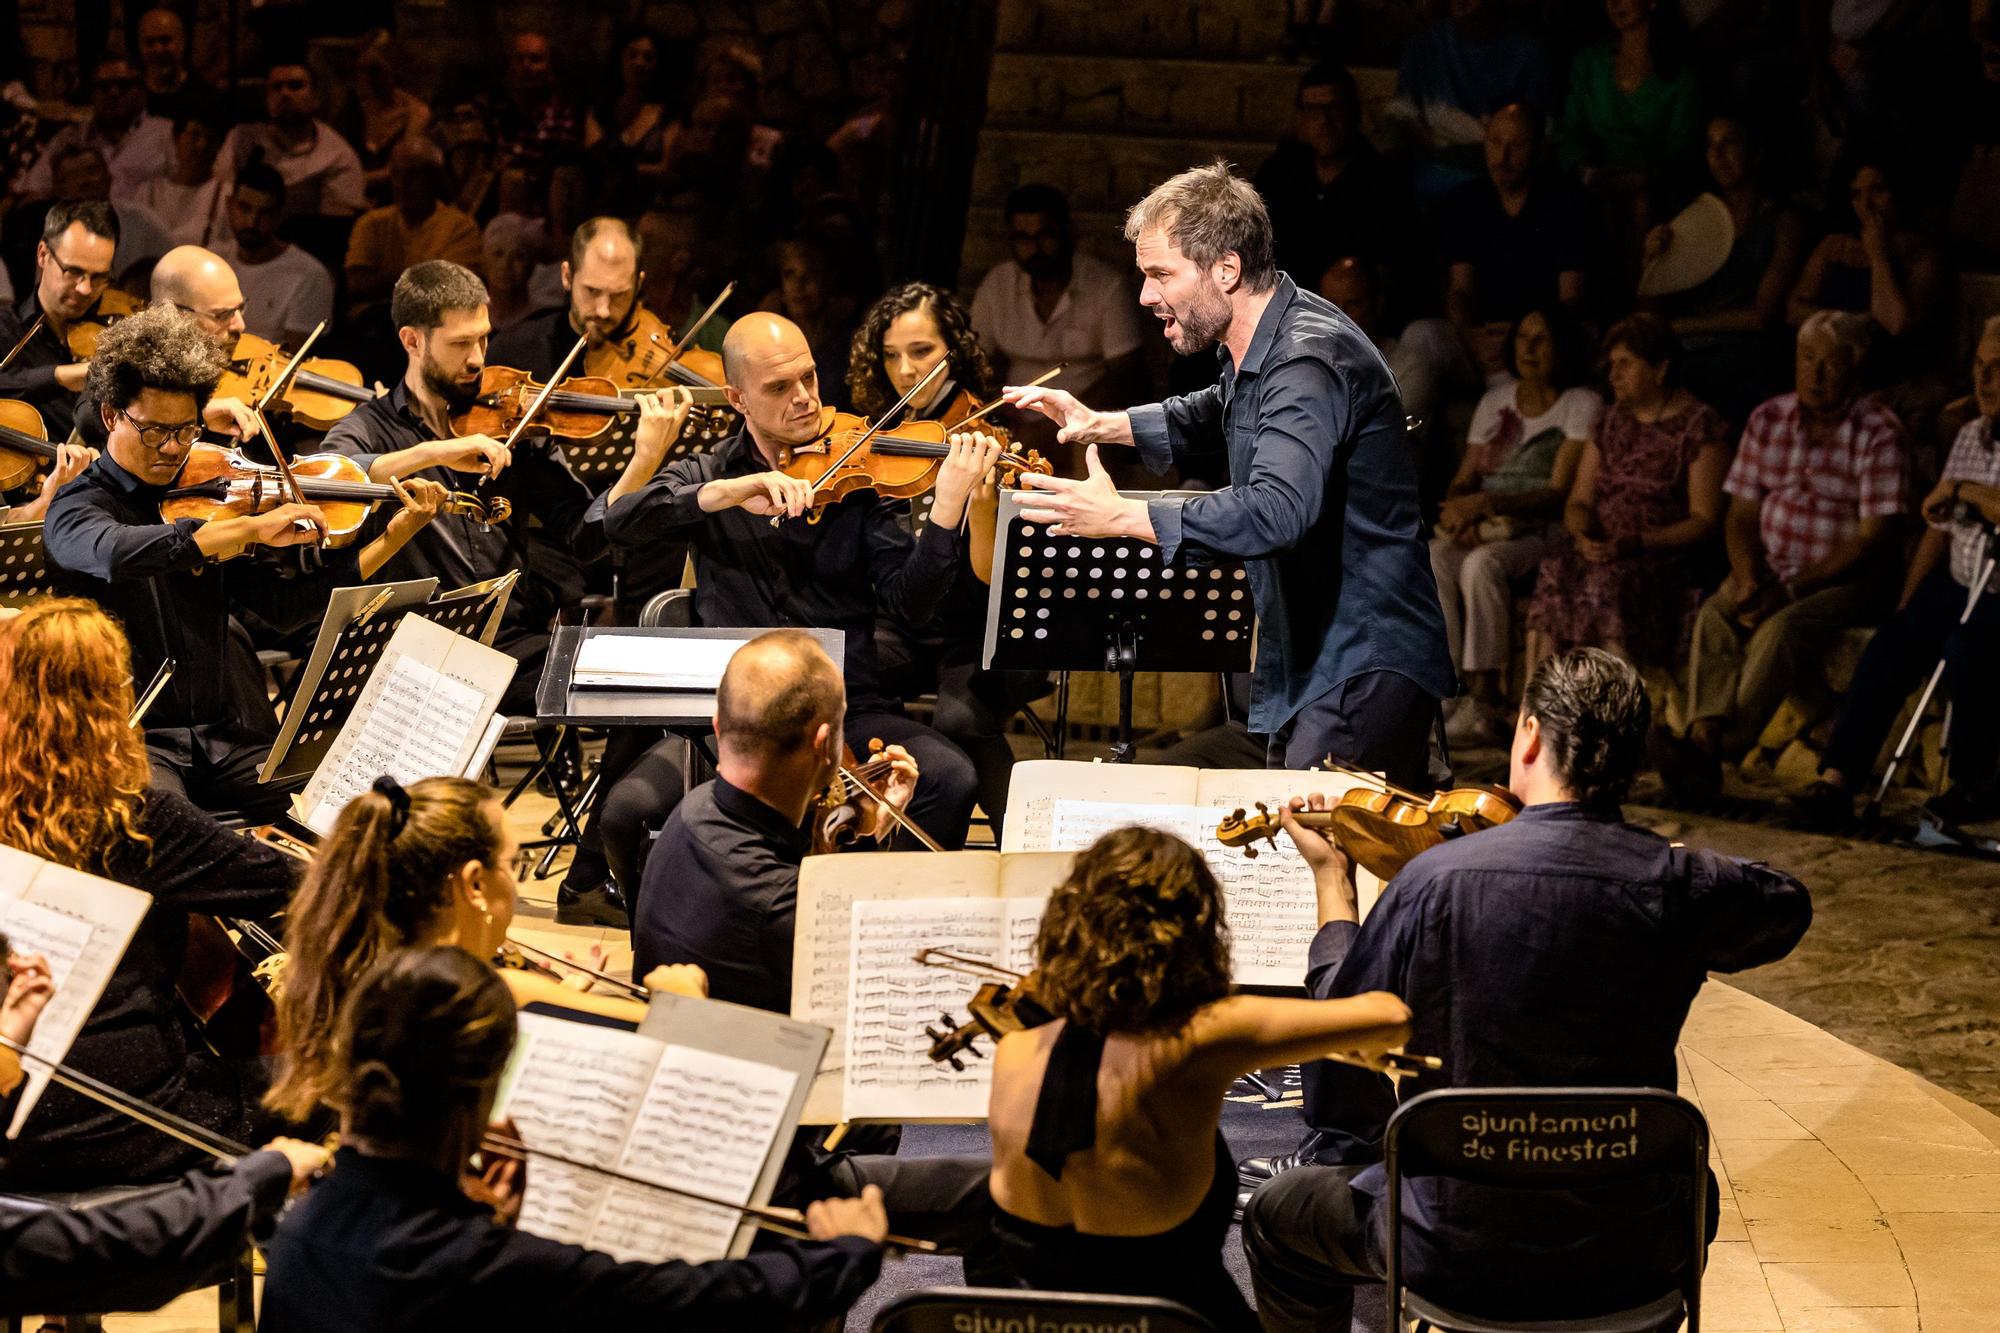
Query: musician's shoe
column 1254, row 1171
column 603, row 905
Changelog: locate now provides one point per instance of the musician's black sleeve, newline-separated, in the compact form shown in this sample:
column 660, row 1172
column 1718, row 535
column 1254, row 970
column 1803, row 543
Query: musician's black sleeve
column 287, row 599
column 665, row 506
column 140, row 1253
column 194, row 864
column 911, row 575
column 543, row 485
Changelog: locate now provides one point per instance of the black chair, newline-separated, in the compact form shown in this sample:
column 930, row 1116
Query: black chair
column 954, row 1309
column 236, row 1290
column 1669, row 1137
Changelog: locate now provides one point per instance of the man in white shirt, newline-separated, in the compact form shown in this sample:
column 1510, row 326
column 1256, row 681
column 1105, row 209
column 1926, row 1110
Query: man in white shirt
column 1050, row 305
column 189, row 199
column 286, row 292
column 321, row 171
column 136, row 146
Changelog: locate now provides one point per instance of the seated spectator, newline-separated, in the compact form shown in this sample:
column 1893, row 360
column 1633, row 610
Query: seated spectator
column 1633, row 109
column 1926, row 627
column 1645, row 503
column 1727, row 325
column 624, row 132
column 188, row 199
column 1497, row 521
column 382, row 113
column 1516, row 241
column 535, row 127
column 80, row 172
column 681, row 262
column 818, row 292
column 1052, row 304
column 414, row 227
column 173, row 90
column 1561, row 949
column 511, row 247
column 136, row 146
column 1330, row 194
column 321, row 173
column 1815, row 490
column 1879, row 265
column 286, row 292
column 731, row 74
column 1457, row 73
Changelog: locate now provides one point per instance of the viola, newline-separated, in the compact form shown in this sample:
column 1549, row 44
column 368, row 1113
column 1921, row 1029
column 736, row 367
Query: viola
column 321, row 391
column 24, row 443
column 648, row 356
column 580, row 408
column 215, row 482
column 113, row 304
column 849, row 454
column 1381, row 828
column 837, row 813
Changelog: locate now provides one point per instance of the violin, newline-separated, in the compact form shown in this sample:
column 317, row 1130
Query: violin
column 580, row 408
column 215, row 482
column 24, row 443
column 849, row 455
column 113, row 304
column 648, row 354
column 837, row 813
column 321, row 391
column 538, row 962
column 1381, row 828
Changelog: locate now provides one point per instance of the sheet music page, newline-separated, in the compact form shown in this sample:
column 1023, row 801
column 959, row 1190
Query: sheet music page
column 892, row 998
column 573, row 1088
column 342, row 607
column 1077, row 824
column 652, row 661
column 1225, row 790
column 1037, row 785
column 83, row 924
column 708, row 1124
column 1021, row 918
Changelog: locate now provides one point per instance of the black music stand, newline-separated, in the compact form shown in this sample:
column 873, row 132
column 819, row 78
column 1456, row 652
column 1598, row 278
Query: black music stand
column 24, row 569
column 1068, row 604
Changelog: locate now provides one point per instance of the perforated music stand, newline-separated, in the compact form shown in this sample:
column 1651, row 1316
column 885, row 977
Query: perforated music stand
column 24, row 569
column 601, row 460
column 1111, row 604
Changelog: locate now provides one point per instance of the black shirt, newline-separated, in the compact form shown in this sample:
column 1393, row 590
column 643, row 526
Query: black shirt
column 857, row 561
column 537, row 344
column 31, row 376
column 454, row 548
column 106, row 541
column 1561, row 949
column 720, row 890
column 386, row 1245
column 1517, row 259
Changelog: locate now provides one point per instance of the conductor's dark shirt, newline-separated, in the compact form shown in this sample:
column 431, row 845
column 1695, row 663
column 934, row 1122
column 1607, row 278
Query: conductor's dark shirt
column 31, row 376
column 719, row 890
column 1322, row 507
column 1560, row 949
column 857, row 561
column 387, row 1246
column 106, row 541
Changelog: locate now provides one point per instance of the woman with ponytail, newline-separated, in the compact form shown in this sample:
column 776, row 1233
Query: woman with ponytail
column 74, row 790
column 390, row 1241
column 430, row 865
column 1109, row 1168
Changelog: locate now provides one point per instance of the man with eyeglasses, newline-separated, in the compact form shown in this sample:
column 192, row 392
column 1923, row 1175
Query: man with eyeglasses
column 203, row 284
column 72, row 268
column 136, row 146
column 151, row 382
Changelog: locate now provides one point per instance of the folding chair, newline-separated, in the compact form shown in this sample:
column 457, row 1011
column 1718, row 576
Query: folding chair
column 955, row 1309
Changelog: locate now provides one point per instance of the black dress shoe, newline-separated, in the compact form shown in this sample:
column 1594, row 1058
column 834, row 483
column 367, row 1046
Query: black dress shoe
column 602, row 905
column 1254, row 1171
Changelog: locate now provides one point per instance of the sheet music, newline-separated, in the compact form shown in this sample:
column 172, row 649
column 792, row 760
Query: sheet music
column 341, row 609
column 708, row 1124
column 1038, row 784
column 651, row 662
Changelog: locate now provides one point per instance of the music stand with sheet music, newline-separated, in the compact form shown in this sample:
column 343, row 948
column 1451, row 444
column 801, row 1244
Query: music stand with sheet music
column 24, row 568
column 1068, row 604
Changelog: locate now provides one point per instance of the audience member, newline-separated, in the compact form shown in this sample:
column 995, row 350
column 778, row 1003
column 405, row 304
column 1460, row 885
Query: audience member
column 1633, row 113
column 1331, row 194
column 413, row 227
column 286, row 292
column 1962, row 511
column 1560, row 949
column 1973, row 218
column 1815, row 490
column 1496, row 524
column 817, row 291
column 510, row 248
column 173, row 89
column 1456, row 74
column 321, row 173
column 80, row 172
column 1646, row 500
column 1052, row 304
column 624, row 131
column 1727, row 325
column 136, row 145
column 1519, row 240
column 682, row 258
column 382, row 114
column 535, row 126
column 188, row 200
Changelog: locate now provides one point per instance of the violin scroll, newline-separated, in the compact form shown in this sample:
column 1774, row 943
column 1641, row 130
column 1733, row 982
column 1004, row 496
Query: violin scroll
column 1239, row 829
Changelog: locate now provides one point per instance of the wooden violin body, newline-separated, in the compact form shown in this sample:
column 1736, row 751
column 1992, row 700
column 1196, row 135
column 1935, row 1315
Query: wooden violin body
column 113, row 304
column 582, row 407
column 1382, row 830
column 321, row 392
column 994, row 1010
column 643, row 358
column 849, row 455
column 24, row 443
column 837, row 814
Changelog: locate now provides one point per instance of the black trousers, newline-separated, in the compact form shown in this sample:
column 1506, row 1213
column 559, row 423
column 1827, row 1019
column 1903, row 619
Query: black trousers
column 217, row 771
column 1305, row 1234
column 1378, row 721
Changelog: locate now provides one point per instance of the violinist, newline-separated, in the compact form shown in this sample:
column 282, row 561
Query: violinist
column 72, row 269
column 601, row 278
column 390, row 1241
column 151, row 383
column 841, row 572
column 901, row 338
column 203, row 284
column 439, row 309
column 1559, row 949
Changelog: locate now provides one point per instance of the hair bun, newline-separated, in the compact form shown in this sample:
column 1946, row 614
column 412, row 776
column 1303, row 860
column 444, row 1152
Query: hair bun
column 399, row 802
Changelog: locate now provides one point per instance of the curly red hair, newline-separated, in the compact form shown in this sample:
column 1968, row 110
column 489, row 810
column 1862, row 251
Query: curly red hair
column 73, row 772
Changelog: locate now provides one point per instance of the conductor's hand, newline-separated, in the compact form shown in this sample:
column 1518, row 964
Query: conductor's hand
column 662, row 417
column 972, row 456
column 229, row 416
column 864, row 1217
column 763, row 493
column 678, row 979
column 1332, row 868
column 28, row 993
column 898, row 787
column 307, row 1159
column 1075, row 422
column 1091, row 507
column 481, row 455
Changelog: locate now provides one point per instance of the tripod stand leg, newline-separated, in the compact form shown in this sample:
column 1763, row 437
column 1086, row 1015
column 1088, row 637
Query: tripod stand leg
column 1874, row 806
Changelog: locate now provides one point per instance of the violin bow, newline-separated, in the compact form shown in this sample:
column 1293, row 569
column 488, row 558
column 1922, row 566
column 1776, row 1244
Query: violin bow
column 271, row 391
column 153, row 1117
column 26, row 338
column 687, row 339
column 983, row 969
column 916, row 829
column 633, row 989
column 283, row 380
column 783, row 1221
column 542, row 397
column 998, row 403
column 876, row 427
column 145, row 701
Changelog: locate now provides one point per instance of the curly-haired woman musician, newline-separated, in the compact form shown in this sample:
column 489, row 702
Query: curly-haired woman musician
column 1109, row 1168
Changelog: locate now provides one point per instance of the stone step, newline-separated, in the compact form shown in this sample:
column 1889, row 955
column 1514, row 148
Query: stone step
column 1099, row 172
column 1249, row 29
column 1160, row 96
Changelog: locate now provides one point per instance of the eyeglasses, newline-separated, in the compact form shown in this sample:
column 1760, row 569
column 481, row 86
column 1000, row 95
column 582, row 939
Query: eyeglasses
column 155, row 434
column 82, row 276
column 220, row 315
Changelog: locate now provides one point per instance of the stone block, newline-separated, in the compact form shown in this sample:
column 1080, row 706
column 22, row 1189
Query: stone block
column 1018, row 26
column 774, row 17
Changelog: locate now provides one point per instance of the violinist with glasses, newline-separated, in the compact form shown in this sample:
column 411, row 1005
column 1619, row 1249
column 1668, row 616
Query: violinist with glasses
column 151, row 384
column 72, row 270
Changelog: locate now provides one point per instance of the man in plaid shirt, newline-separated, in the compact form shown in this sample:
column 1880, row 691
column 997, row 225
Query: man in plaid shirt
column 1817, row 485
column 1925, row 628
